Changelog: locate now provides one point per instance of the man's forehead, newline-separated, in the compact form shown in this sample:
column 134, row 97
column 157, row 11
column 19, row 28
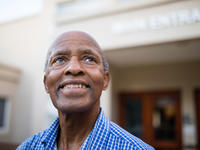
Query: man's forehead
column 75, row 36
column 79, row 51
column 76, row 39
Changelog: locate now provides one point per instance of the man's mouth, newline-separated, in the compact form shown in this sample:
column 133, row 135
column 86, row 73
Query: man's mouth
column 70, row 86
column 73, row 88
column 73, row 85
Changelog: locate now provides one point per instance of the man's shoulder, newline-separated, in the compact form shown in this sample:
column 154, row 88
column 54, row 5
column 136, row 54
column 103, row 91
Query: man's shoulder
column 125, row 138
column 32, row 141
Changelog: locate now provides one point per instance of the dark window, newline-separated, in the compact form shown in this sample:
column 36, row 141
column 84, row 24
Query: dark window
column 2, row 111
column 164, row 117
column 133, row 109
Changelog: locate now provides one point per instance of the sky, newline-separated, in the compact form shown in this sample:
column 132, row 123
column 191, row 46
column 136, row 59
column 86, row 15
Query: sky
column 16, row 9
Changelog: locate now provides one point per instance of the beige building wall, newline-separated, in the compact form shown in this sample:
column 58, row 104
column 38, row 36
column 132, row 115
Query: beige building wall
column 102, row 25
column 114, row 28
column 9, row 83
column 24, row 44
column 181, row 76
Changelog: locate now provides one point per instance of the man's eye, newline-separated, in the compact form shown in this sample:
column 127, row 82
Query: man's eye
column 58, row 60
column 89, row 59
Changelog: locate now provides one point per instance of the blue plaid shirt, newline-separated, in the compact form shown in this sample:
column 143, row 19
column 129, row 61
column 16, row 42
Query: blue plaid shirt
column 105, row 135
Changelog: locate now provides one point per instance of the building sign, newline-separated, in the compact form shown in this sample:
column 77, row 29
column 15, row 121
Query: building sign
column 171, row 19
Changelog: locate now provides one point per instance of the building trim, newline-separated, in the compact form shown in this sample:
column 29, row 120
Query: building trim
column 9, row 73
column 62, row 20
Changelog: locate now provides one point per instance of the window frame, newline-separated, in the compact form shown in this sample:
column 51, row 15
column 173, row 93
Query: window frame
column 6, row 118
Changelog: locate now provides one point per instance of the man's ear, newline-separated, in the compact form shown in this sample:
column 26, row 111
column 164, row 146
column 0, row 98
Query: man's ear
column 45, row 84
column 106, row 80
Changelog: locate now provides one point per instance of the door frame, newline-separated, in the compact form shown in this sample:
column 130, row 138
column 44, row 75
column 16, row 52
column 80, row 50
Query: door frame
column 197, row 108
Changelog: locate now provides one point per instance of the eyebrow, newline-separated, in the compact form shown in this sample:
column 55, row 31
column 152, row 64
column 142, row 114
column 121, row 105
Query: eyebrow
column 88, row 51
column 61, row 52
column 96, row 53
column 65, row 51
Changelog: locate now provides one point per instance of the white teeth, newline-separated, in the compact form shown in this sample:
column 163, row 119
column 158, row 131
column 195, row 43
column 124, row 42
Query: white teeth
column 75, row 86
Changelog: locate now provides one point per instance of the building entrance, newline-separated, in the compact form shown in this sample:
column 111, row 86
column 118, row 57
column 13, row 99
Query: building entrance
column 154, row 117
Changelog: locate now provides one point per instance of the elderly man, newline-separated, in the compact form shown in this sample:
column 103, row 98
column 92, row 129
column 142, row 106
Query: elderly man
column 76, row 72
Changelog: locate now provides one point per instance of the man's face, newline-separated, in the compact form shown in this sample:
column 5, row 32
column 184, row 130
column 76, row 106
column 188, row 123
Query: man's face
column 75, row 76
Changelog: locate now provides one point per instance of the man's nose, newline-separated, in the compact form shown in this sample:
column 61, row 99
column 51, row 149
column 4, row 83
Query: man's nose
column 74, row 67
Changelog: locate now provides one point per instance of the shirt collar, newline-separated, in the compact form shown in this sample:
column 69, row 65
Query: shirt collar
column 50, row 135
column 100, row 130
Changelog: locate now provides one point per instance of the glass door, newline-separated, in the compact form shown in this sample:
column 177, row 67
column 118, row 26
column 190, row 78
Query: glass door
column 153, row 116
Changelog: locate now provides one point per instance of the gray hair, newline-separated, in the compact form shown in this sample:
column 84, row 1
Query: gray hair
column 105, row 62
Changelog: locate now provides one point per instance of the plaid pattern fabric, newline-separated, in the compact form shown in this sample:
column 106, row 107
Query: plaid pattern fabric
column 105, row 135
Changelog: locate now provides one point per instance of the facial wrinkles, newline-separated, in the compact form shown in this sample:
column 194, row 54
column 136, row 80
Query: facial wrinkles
column 76, row 40
column 61, row 44
column 80, row 52
column 62, row 88
column 77, row 55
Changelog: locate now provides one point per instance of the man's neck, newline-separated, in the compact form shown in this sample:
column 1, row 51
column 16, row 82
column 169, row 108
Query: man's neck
column 75, row 127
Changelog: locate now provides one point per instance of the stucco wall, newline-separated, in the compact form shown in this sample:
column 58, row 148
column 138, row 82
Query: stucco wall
column 24, row 44
column 103, row 29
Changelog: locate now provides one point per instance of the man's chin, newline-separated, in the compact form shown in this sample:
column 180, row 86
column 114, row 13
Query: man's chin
column 73, row 109
column 73, row 93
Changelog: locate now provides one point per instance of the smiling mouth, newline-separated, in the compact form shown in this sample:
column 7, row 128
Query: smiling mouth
column 73, row 86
